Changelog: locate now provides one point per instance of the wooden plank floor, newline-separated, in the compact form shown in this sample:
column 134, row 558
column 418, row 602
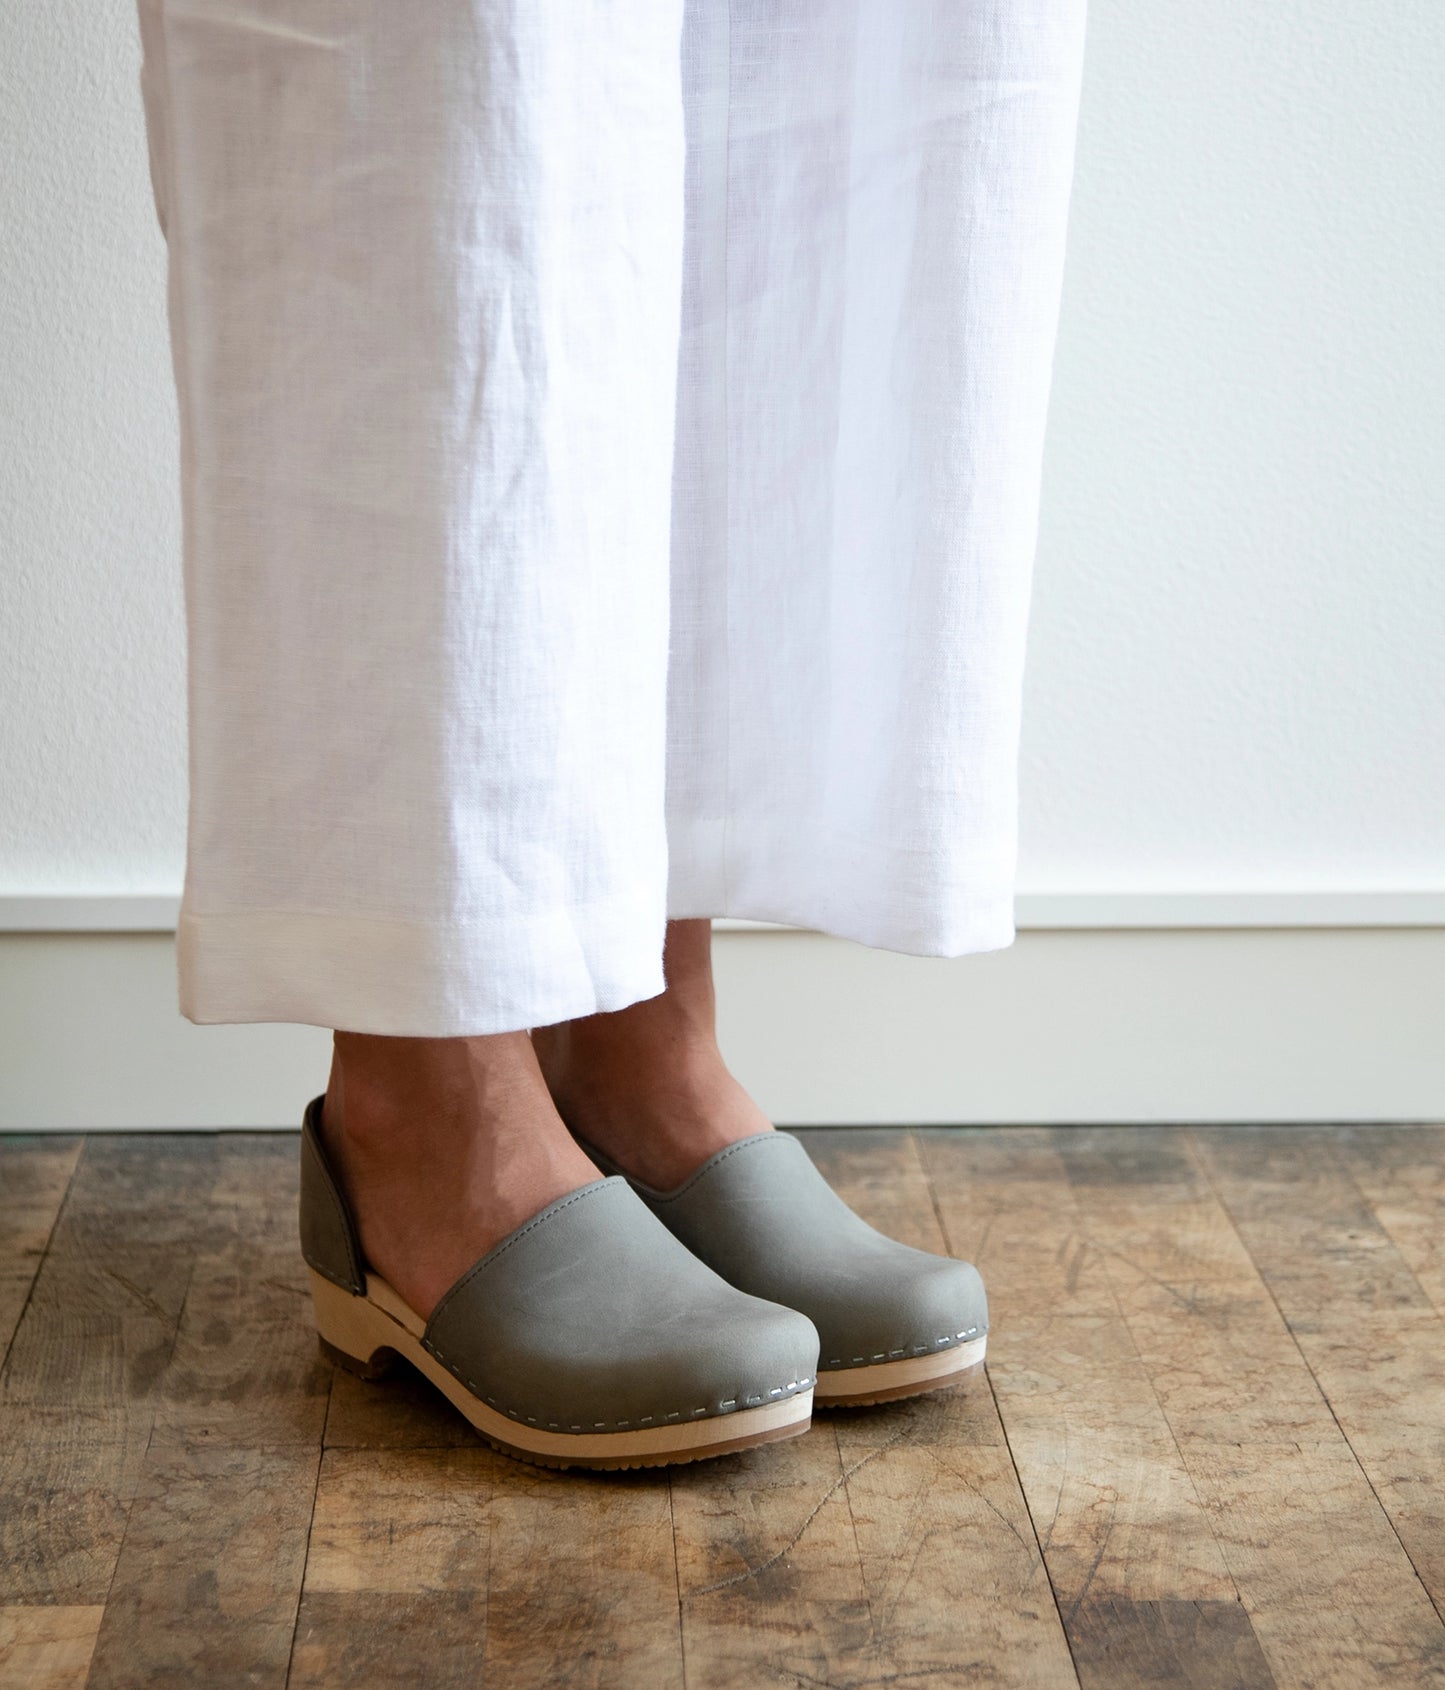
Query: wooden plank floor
column 1209, row 1452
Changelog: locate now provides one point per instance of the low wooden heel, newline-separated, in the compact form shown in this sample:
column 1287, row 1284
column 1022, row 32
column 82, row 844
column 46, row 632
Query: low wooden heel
column 376, row 1366
column 351, row 1330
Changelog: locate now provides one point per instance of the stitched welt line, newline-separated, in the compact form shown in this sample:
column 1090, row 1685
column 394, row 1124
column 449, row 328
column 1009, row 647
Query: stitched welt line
column 775, row 1393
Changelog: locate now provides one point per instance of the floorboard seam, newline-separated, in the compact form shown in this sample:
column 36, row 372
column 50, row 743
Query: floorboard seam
column 1034, row 1528
column 306, row 1555
column 1003, row 1427
column 60, row 1209
column 677, row 1585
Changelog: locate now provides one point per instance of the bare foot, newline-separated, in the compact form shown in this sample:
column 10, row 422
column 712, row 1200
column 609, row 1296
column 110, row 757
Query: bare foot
column 443, row 1147
column 647, row 1084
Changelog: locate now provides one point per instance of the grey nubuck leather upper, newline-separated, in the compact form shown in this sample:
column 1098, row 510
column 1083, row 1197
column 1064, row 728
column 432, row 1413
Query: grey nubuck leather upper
column 763, row 1216
column 590, row 1317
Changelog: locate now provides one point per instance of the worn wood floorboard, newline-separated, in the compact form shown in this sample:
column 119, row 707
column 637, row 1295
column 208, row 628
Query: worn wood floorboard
column 34, row 1175
column 79, row 1389
column 1152, row 1391
column 208, row 1576
column 1207, row 1454
column 395, row 1589
column 1400, row 1172
column 1110, row 1492
column 46, row 1648
column 1362, row 1322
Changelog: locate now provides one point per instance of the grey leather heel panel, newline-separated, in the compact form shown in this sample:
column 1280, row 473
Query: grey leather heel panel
column 328, row 1233
column 593, row 1317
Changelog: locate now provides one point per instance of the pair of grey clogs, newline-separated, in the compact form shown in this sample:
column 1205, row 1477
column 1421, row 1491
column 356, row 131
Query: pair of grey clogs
column 626, row 1327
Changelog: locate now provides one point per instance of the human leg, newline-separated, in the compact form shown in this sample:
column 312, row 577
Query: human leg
column 423, row 292
column 443, row 1146
column 648, row 1084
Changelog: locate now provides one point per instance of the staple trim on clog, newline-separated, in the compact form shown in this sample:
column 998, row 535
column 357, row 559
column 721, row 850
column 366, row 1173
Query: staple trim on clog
column 790, row 1389
column 942, row 1343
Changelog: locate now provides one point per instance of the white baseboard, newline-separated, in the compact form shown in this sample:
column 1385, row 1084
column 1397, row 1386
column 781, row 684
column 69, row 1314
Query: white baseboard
column 1179, row 1007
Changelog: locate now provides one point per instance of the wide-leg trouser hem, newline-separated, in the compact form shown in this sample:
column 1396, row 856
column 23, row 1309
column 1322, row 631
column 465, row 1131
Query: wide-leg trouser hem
column 883, row 894
column 373, row 975
column 367, row 975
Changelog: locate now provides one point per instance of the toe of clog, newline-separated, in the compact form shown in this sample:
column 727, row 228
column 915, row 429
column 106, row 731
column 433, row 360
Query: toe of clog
column 922, row 1303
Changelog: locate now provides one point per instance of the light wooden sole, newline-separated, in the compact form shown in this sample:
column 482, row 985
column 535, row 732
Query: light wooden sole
column 888, row 1381
column 367, row 1334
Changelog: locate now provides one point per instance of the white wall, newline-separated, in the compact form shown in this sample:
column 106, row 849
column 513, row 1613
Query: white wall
column 1235, row 667
column 1237, row 658
column 92, row 749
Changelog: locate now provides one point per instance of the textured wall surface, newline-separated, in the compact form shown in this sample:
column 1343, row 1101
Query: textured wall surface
column 92, row 672
column 1236, row 674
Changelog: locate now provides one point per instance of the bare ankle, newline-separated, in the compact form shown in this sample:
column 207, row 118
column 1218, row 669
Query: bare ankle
column 443, row 1146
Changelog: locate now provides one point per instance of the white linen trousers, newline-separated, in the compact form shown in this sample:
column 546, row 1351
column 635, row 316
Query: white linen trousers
column 611, row 436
